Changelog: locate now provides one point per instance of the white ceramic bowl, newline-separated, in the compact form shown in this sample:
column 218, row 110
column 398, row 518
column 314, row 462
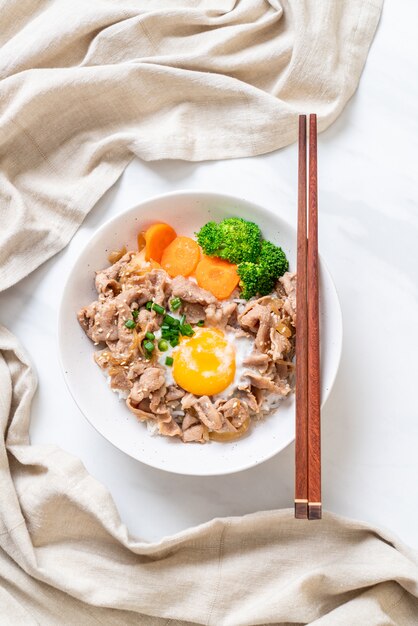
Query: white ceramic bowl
column 186, row 212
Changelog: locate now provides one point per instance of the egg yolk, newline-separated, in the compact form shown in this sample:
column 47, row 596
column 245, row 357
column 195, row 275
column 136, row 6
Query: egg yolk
column 204, row 364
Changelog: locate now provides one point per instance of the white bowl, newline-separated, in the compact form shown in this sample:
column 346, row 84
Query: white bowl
column 186, row 212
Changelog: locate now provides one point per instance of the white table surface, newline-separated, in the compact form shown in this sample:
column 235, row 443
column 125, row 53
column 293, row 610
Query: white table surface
column 368, row 190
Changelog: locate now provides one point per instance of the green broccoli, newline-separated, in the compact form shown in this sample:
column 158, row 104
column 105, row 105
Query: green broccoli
column 233, row 239
column 273, row 259
column 249, row 277
column 208, row 238
column 255, row 279
column 260, row 278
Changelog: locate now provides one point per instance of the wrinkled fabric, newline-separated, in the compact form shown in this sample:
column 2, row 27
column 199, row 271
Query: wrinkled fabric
column 86, row 85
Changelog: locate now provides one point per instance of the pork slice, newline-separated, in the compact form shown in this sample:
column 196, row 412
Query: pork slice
column 235, row 411
column 147, row 321
column 86, row 317
column 156, row 401
column 280, row 345
column 119, row 380
column 197, row 433
column 152, row 379
column 288, row 280
column 258, row 318
column 259, row 360
column 158, row 281
column 283, row 385
column 189, row 420
column 188, row 401
column 102, row 358
column 107, row 280
column 169, row 427
column 262, row 382
column 124, row 335
column 138, row 295
column 174, row 393
column 188, row 291
column 98, row 321
column 251, row 401
column 137, row 368
column 194, row 312
column 140, row 413
column 207, row 413
column 218, row 314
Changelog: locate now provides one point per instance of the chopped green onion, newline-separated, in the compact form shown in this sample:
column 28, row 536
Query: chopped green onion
column 200, row 323
column 165, row 327
column 148, row 305
column 169, row 360
column 135, row 314
column 175, row 304
column 174, row 341
column 149, row 346
column 187, row 330
column 150, row 336
column 163, row 345
column 171, row 321
column 182, row 320
column 157, row 308
column 130, row 324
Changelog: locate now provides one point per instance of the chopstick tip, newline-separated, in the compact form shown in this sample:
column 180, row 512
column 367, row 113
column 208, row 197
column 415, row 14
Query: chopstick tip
column 301, row 509
column 314, row 510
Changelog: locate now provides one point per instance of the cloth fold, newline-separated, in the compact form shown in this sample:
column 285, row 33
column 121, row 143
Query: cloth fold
column 85, row 86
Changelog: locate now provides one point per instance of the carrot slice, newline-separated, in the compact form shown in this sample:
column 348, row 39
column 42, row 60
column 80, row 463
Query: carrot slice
column 217, row 276
column 157, row 238
column 181, row 257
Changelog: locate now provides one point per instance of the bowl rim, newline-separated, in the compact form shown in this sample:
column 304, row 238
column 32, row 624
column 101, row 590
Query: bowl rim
column 215, row 195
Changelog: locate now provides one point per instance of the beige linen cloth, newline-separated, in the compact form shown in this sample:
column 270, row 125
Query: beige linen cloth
column 86, row 84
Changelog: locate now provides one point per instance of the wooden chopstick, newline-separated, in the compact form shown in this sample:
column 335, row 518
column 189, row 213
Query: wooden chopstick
column 314, row 402
column 308, row 410
column 301, row 435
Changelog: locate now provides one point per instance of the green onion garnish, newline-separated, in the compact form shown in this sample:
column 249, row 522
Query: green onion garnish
column 150, row 336
column 200, row 323
column 135, row 314
column 169, row 360
column 149, row 346
column 163, row 345
column 182, row 320
column 130, row 324
column 175, row 304
column 157, row 308
column 148, row 305
column 174, row 341
column 170, row 321
column 187, row 330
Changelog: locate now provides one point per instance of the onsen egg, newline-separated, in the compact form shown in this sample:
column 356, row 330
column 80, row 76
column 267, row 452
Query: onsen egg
column 204, row 364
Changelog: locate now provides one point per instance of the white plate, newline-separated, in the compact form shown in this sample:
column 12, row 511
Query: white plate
column 186, row 212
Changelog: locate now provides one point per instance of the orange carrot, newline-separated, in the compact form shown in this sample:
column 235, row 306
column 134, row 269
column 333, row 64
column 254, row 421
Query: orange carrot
column 157, row 238
column 181, row 257
column 217, row 276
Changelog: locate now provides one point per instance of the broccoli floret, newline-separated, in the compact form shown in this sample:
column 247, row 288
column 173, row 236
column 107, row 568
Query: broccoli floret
column 273, row 259
column 208, row 238
column 260, row 278
column 255, row 279
column 233, row 239
column 249, row 277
